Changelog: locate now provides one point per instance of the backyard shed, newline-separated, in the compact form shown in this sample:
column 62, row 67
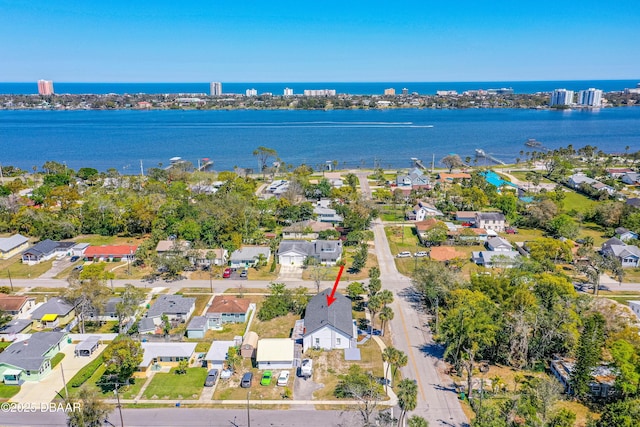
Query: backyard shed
column 249, row 345
column 197, row 327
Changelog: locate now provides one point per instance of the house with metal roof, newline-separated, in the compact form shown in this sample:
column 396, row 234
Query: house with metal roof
column 53, row 313
column 10, row 246
column 499, row 244
column 217, row 354
column 329, row 326
column 275, row 353
column 30, row 360
column 176, row 307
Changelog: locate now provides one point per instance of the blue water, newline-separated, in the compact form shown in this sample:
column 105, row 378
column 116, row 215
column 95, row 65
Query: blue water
column 424, row 88
column 120, row 139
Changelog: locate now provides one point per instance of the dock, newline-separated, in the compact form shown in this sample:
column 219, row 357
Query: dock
column 481, row 153
column 204, row 164
column 418, row 163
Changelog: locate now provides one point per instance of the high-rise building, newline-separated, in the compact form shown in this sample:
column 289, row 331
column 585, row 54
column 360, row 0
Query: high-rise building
column 319, row 92
column 45, row 87
column 405, row 91
column 215, row 89
column 251, row 92
column 391, row 91
column 590, row 98
column 561, row 97
column 288, row 91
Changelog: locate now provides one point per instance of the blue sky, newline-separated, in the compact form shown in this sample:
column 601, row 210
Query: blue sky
column 303, row 41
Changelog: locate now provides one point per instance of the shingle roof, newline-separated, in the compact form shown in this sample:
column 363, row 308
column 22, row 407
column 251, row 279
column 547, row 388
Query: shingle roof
column 197, row 322
column 218, row 350
column 43, row 248
column 229, row 304
column 15, row 326
column 490, row 216
column 249, row 253
column 146, row 324
column 9, row 243
column 171, row 304
column 12, row 302
column 498, row 241
column 338, row 315
column 29, row 354
column 53, row 306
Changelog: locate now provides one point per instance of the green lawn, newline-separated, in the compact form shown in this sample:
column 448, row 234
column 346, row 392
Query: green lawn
column 8, row 391
column 578, row 202
column 4, row 344
column 57, row 359
column 280, row 327
column 174, row 386
column 18, row 270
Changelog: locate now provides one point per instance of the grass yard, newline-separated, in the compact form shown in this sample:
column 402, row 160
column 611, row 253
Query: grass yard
column 8, row 391
column 99, row 327
column 97, row 240
column 622, row 298
column 332, row 273
column 280, row 327
column 329, row 365
column 131, row 391
column 578, row 202
column 524, row 235
column 229, row 330
column 581, row 411
column 631, row 275
column 57, row 359
column 174, row 386
column 18, row 270
column 4, row 344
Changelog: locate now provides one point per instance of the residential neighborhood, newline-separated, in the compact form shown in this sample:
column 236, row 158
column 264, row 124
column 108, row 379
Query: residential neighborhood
column 204, row 312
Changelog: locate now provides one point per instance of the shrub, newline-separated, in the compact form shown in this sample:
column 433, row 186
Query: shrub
column 85, row 373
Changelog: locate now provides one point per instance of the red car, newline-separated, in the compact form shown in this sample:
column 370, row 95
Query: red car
column 227, row 273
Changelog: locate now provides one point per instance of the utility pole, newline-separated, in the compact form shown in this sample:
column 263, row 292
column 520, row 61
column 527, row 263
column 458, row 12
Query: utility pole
column 119, row 406
column 10, row 281
column 248, row 413
column 66, row 391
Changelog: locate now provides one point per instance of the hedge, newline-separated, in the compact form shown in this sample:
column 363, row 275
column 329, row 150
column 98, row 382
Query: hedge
column 86, row 372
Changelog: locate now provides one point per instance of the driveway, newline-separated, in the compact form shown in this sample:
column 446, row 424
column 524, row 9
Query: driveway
column 303, row 389
column 56, row 267
column 290, row 272
column 44, row 391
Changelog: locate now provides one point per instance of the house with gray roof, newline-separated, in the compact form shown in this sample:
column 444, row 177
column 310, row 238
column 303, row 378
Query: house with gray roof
column 326, row 214
column 53, row 313
column 45, row 250
column 197, row 327
column 109, row 314
column 414, row 179
column 9, row 331
column 628, row 255
column 500, row 259
column 176, row 307
column 10, row 246
column 166, row 354
column 495, row 221
column 248, row 256
column 625, row 234
column 294, row 252
column 329, row 326
column 499, row 244
column 30, row 360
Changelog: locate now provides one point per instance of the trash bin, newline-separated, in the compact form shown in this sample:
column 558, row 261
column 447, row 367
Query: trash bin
column 462, row 396
column 177, row 404
column 68, row 340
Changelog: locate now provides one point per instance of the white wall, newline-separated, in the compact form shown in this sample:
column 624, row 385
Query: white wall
column 328, row 339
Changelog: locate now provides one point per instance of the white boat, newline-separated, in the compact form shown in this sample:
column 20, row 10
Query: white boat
column 480, row 152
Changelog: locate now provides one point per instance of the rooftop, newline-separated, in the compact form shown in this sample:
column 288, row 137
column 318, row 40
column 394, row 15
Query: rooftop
column 9, row 243
column 338, row 315
column 229, row 304
column 12, row 302
column 29, row 354
column 171, row 304
column 53, row 306
column 154, row 350
column 275, row 349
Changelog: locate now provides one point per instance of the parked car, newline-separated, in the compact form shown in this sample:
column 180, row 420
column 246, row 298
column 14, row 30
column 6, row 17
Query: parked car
column 420, row 254
column 511, row 230
column 227, row 273
column 78, row 267
column 244, row 273
column 212, row 376
column 266, row 378
column 283, row 378
column 405, row 254
column 74, row 258
column 246, row 380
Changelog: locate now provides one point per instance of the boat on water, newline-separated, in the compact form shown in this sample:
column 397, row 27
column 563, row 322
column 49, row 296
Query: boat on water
column 480, row 152
column 531, row 142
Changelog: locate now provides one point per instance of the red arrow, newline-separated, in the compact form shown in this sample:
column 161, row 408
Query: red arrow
column 330, row 298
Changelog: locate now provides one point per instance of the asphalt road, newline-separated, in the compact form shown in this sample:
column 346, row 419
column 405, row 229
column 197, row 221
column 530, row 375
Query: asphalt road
column 437, row 400
column 194, row 417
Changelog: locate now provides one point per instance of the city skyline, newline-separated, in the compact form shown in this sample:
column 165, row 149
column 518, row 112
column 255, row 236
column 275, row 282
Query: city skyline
column 287, row 41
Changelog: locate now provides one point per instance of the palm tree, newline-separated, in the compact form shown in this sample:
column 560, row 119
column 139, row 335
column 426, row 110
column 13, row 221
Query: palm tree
column 385, row 315
column 407, row 393
column 388, row 354
column 400, row 361
column 374, row 305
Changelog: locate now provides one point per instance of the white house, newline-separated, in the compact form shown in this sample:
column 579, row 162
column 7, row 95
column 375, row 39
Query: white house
column 217, row 354
column 248, row 256
column 490, row 221
column 329, row 327
column 275, row 353
column 628, row 255
column 423, row 210
column 624, row 234
column 294, row 252
column 499, row 244
column 176, row 307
